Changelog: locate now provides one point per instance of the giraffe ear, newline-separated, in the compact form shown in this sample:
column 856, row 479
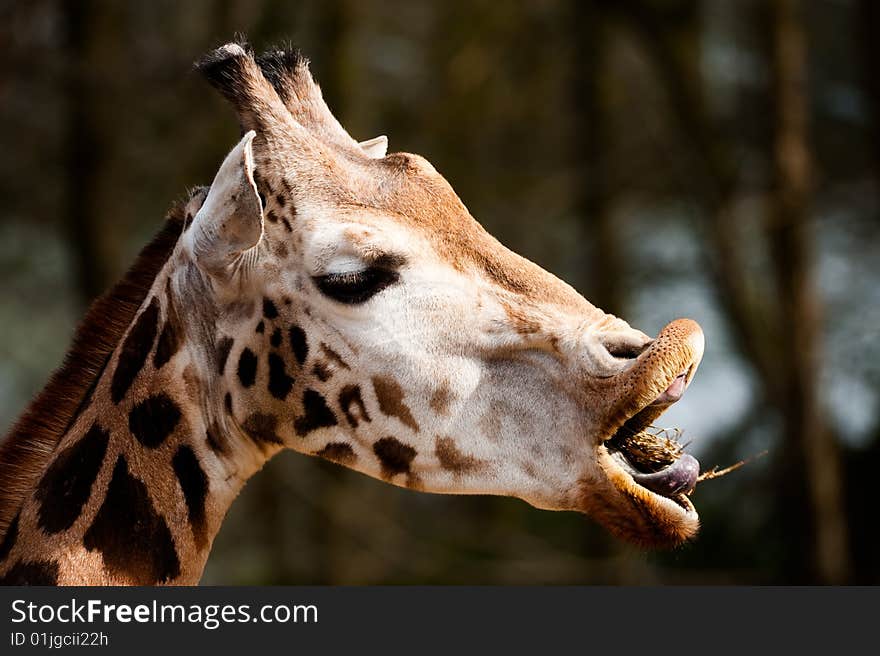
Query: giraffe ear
column 230, row 220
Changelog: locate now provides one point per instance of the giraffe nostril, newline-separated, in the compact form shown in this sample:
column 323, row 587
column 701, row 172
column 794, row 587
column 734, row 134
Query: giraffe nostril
column 624, row 348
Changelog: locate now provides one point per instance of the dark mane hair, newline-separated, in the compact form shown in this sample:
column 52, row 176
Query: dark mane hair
column 33, row 438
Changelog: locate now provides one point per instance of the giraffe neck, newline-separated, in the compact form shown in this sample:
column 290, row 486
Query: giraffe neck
column 138, row 486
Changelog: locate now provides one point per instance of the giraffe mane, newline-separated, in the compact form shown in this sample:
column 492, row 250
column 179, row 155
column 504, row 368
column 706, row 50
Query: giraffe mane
column 32, row 439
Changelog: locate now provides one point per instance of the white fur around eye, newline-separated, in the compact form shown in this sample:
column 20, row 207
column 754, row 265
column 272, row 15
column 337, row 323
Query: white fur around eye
column 344, row 264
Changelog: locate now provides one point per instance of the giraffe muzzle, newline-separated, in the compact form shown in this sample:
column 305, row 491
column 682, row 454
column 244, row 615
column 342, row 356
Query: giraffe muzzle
column 653, row 457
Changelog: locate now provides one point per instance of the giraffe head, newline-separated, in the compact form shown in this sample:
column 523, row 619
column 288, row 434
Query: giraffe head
column 357, row 311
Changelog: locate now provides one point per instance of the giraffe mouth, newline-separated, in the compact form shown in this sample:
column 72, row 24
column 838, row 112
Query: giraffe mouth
column 647, row 476
column 649, row 467
column 653, row 457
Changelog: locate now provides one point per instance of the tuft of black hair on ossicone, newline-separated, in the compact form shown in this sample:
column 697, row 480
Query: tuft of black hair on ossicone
column 278, row 65
column 223, row 68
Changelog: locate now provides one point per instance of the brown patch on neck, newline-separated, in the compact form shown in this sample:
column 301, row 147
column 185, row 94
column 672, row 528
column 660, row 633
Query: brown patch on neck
column 261, row 428
column 441, row 399
column 338, row 452
column 390, row 397
column 35, row 435
column 454, row 460
column 38, row 572
column 132, row 537
column 352, row 405
column 394, row 456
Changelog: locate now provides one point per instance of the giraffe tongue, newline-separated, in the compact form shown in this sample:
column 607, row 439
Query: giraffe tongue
column 680, row 476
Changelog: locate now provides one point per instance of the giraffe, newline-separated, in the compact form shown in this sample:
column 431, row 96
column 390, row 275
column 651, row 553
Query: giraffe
column 327, row 297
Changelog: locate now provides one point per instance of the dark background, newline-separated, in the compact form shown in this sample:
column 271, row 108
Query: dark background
column 716, row 159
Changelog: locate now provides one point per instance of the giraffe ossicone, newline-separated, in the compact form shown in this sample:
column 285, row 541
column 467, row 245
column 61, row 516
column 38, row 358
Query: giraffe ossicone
column 330, row 298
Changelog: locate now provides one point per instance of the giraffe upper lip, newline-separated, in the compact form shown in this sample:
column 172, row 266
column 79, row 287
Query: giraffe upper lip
column 647, row 413
column 675, row 390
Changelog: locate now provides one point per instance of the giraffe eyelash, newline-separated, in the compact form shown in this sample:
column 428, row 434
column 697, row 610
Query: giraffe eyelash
column 355, row 287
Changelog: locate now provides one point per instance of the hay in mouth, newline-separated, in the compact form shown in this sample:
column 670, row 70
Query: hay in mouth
column 654, row 457
column 651, row 449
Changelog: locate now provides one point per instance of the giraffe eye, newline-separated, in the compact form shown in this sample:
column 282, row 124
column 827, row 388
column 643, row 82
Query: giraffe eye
column 354, row 287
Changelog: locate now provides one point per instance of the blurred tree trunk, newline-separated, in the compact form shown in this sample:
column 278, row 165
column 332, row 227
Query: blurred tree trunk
column 335, row 66
column 810, row 461
column 672, row 42
column 84, row 148
column 775, row 322
column 603, row 272
column 867, row 17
